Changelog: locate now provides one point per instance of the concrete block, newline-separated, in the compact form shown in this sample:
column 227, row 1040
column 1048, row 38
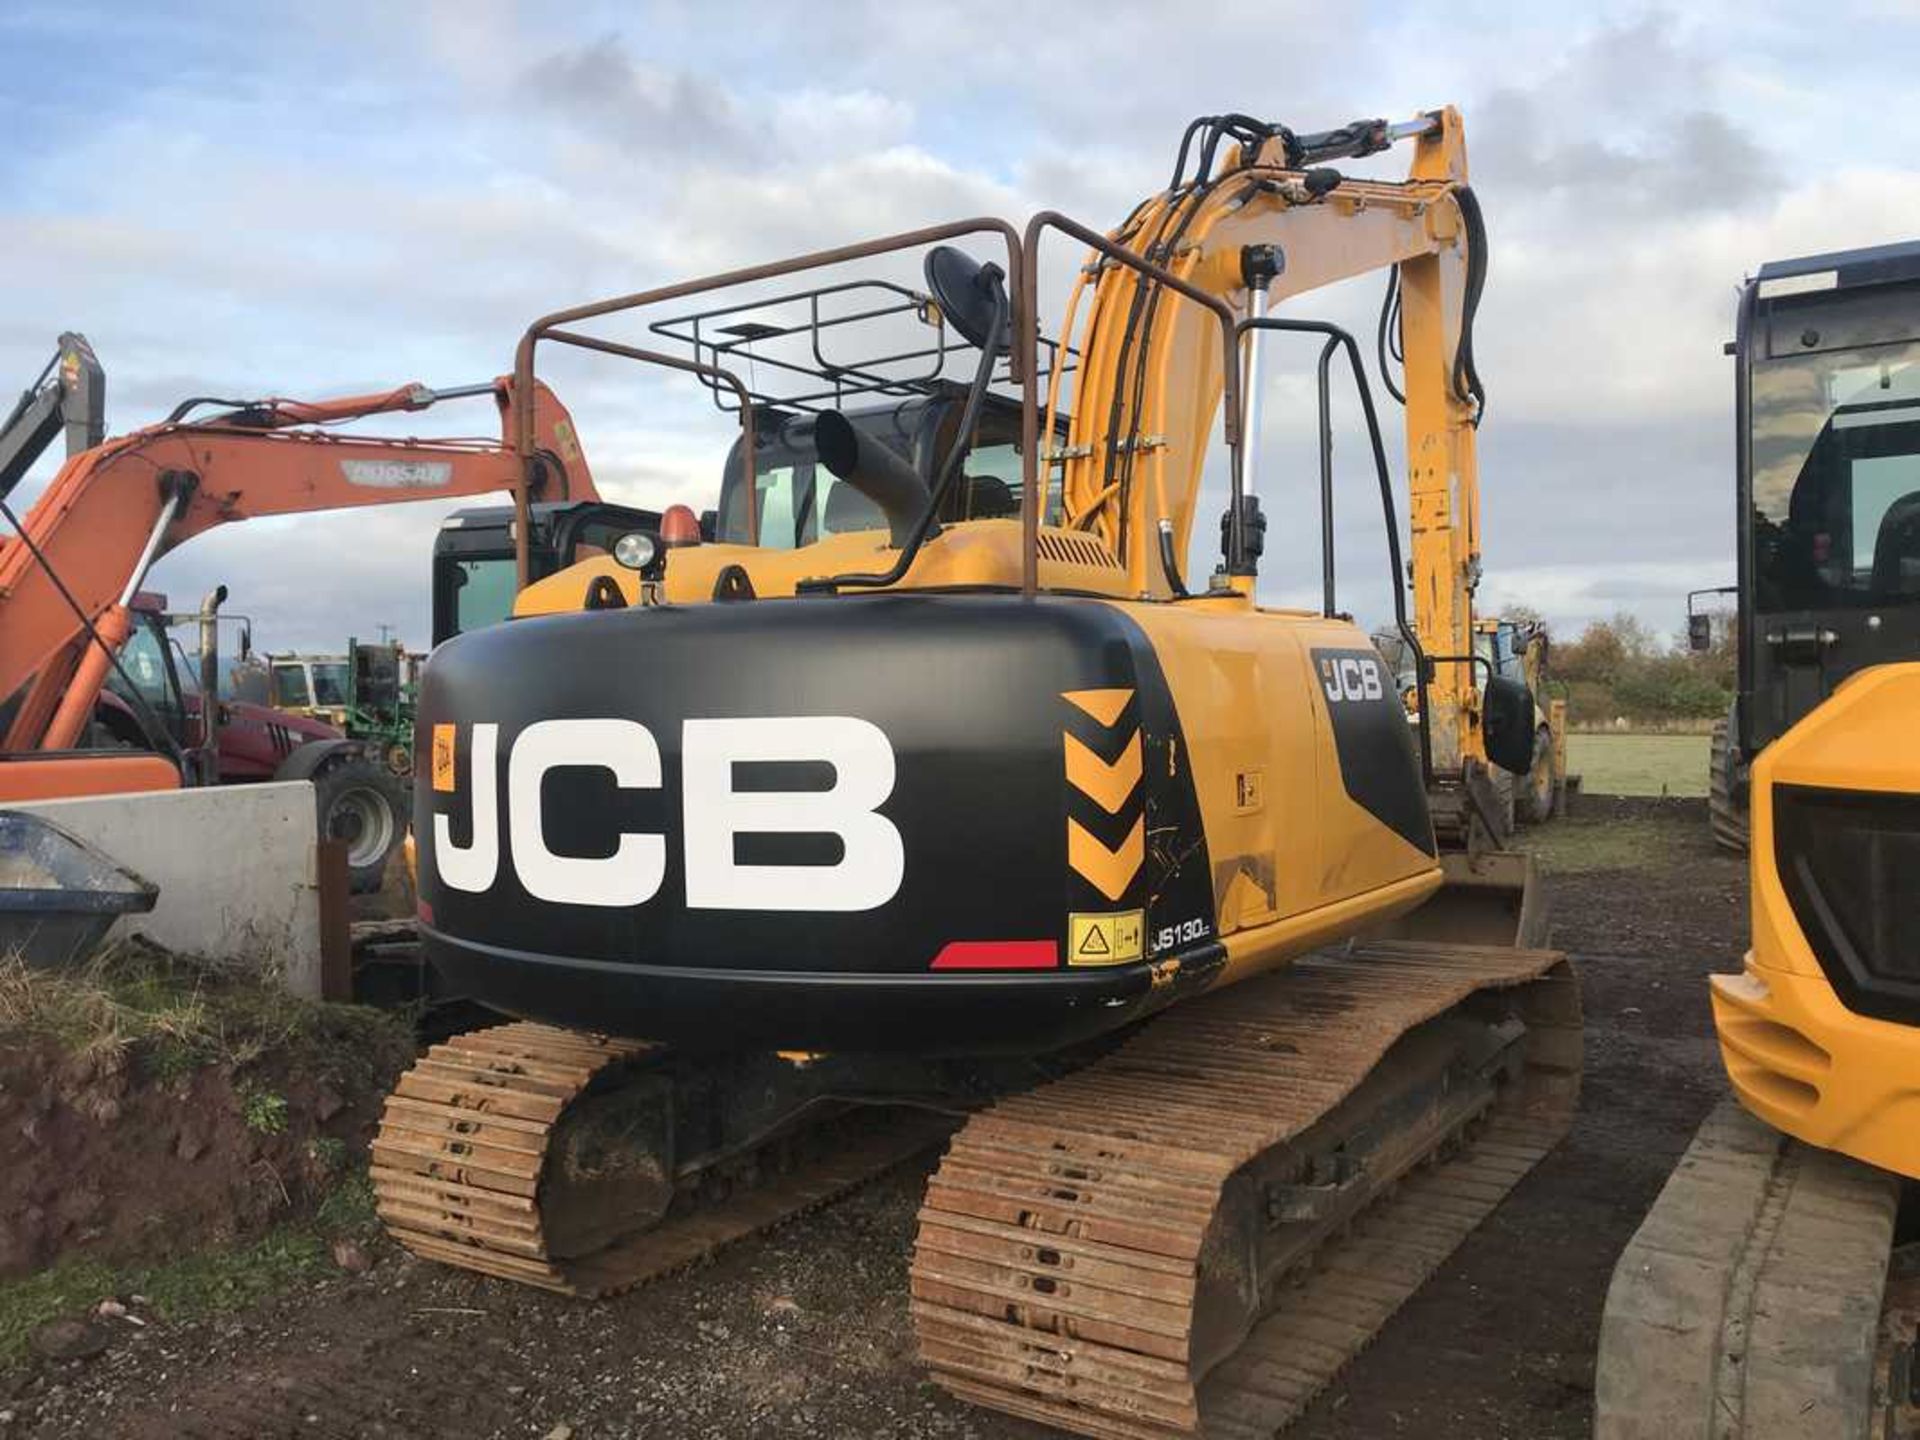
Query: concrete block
column 235, row 867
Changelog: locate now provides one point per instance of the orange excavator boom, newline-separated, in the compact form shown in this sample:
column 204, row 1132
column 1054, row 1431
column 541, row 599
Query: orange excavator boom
column 69, row 572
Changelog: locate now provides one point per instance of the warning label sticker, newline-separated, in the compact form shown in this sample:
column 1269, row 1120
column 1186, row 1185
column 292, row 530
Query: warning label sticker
column 443, row 758
column 1116, row 938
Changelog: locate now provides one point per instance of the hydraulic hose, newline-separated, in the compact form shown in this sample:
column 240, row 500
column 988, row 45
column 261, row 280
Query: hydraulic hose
column 1466, row 374
column 1387, row 344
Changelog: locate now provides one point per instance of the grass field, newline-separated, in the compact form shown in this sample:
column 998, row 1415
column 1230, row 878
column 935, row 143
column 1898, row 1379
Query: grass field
column 1639, row 764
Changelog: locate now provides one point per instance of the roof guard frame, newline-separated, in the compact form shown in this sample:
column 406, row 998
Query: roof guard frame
column 551, row 327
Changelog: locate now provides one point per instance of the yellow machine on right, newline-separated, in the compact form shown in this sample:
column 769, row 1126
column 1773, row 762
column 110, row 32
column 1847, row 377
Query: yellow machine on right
column 1769, row 1292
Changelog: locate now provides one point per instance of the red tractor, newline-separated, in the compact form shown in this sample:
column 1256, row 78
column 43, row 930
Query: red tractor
column 156, row 701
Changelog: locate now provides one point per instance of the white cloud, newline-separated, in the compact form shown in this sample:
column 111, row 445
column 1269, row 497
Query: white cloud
column 341, row 216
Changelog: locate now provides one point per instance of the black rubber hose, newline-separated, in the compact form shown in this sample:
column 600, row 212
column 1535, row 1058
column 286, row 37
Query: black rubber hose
column 1138, row 334
column 1466, row 374
column 1170, row 562
column 1136, row 307
column 1386, row 341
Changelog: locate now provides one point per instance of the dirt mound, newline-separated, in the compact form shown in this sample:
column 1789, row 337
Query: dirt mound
column 147, row 1109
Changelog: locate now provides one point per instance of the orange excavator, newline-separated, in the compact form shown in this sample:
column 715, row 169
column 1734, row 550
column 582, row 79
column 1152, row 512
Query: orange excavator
column 72, row 569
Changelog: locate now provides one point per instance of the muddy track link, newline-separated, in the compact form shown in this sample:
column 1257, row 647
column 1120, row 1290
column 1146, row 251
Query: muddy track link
column 462, row 1158
column 1724, row 815
column 1068, row 1242
column 1749, row 1304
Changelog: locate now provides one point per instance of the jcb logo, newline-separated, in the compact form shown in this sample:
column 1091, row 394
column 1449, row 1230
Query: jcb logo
column 867, row 875
column 1352, row 677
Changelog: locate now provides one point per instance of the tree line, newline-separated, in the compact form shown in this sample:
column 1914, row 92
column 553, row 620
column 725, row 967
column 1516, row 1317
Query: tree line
column 1620, row 669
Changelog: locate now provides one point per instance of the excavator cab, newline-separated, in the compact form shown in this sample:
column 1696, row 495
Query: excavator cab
column 474, row 580
column 1827, row 398
column 798, row 499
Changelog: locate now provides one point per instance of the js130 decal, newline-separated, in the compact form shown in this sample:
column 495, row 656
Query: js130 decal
column 713, row 812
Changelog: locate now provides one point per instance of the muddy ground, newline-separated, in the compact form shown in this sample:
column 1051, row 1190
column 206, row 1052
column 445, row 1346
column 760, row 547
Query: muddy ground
column 804, row 1332
column 152, row 1105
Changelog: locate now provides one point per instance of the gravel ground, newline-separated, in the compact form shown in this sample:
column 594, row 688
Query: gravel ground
column 804, row 1332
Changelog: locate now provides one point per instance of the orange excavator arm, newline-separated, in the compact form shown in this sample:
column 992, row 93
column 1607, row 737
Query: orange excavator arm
column 68, row 576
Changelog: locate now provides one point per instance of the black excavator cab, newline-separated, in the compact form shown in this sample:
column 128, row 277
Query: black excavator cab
column 1827, row 398
column 473, row 560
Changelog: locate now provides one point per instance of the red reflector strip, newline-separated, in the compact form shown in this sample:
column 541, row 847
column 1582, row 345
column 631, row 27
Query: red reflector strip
column 998, row 955
column 424, row 911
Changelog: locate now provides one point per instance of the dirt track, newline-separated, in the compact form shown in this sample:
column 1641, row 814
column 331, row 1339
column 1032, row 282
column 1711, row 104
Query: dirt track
column 804, row 1332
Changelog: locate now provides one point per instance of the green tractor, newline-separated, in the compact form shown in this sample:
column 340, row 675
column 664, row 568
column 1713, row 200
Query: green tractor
column 367, row 694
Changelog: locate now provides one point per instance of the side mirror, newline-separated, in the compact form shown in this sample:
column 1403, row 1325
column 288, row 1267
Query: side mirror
column 246, row 642
column 1699, row 632
column 1507, row 724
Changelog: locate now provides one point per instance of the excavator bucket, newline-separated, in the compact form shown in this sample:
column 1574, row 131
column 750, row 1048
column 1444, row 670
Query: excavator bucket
column 1488, row 899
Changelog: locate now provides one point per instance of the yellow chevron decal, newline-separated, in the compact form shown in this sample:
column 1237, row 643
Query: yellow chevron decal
column 1108, row 785
column 1108, row 871
column 1103, row 705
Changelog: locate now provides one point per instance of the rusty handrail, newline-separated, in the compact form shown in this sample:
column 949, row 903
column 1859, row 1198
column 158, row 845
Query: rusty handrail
column 693, row 367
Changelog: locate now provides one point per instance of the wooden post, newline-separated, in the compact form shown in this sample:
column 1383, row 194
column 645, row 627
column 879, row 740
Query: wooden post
column 336, row 921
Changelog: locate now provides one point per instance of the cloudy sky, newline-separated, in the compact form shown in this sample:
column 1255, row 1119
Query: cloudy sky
column 321, row 199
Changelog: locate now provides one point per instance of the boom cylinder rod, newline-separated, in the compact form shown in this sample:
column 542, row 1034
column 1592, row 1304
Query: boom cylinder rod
column 140, row 567
column 1257, row 300
column 1413, row 129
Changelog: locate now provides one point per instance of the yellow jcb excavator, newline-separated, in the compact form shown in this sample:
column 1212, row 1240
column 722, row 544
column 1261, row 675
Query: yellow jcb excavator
column 918, row 779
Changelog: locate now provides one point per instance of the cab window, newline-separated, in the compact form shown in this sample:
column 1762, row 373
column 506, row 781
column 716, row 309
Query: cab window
column 290, row 684
column 143, row 671
column 330, row 683
column 483, row 592
column 798, row 501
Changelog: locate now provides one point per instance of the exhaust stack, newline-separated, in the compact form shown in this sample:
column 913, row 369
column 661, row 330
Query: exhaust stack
column 875, row 469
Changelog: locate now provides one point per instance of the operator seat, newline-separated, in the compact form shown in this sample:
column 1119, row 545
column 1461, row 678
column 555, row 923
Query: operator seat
column 1896, row 548
column 989, row 498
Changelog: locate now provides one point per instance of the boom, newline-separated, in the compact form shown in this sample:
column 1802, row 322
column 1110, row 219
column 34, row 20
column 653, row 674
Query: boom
column 1260, row 231
column 67, row 577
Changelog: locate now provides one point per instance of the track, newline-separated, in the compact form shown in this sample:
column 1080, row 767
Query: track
column 1085, row 1257
column 1724, row 814
column 466, row 1154
column 1748, row 1305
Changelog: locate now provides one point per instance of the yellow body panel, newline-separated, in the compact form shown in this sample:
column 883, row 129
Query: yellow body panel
column 1301, row 855
column 1798, row 1058
column 969, row 553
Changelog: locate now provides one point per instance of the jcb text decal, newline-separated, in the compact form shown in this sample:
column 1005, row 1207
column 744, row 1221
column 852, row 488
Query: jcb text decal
column 867, row 875
column 1352, row 677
